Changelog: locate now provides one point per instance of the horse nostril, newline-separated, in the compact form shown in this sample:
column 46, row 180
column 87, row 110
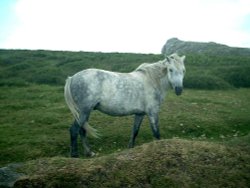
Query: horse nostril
column 178, row 90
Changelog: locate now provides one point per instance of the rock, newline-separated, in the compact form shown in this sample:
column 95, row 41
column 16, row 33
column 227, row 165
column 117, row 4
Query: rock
column 9, row 175
column 174, row 45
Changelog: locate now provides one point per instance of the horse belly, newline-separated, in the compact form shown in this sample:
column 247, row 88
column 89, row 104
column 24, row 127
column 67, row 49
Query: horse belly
column 119, row 109
column 123, row 101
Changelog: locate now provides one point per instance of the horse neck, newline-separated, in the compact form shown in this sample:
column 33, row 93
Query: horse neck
column 159, row 81
column 164, row 85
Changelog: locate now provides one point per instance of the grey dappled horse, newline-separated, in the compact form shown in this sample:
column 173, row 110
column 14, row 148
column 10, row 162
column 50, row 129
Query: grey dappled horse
column 140, row 92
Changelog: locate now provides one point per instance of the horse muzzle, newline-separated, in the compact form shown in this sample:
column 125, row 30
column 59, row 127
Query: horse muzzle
column 178, row 90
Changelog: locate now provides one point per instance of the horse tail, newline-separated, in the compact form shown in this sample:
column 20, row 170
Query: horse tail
column 92, row 131
column 70, row 101
column 74, row 108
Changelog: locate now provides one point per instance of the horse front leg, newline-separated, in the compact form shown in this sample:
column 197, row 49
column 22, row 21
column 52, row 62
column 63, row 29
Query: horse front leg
column 74, row 131
column 153, row 118
column 137, row 123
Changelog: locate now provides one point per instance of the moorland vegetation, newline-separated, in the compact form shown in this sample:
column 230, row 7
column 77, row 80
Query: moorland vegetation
column 205, row 132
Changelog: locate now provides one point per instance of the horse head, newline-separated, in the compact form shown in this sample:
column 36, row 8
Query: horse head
column 176, row 71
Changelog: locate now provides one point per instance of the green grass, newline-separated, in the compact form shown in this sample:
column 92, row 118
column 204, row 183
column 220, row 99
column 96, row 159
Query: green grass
column 34, row 121
column 206, row 131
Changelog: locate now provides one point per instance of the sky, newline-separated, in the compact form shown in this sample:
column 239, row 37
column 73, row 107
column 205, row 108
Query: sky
column 137, row 26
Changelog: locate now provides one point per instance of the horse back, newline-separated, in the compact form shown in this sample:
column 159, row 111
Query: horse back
column 110, row 92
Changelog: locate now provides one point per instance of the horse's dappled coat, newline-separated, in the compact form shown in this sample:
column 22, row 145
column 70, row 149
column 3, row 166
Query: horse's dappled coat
column 140, row 92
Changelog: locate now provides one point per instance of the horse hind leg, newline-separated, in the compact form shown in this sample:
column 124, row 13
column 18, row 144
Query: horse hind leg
column 83, row 135
column 74, row 130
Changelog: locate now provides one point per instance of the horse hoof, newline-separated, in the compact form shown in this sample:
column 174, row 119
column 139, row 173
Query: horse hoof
column 131, row 145
column 74, row 155
column 90, row 154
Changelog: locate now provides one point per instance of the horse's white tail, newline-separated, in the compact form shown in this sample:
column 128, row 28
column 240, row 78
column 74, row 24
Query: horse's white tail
column 75, row 110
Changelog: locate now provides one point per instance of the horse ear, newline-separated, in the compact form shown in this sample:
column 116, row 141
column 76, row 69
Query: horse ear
column 183, row 58
column 168, row 60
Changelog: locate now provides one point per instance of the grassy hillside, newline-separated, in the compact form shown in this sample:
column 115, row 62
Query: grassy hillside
column 165, row 163
column 217, row 72
column 23, row 67
column 34, row 121
column 205, row 133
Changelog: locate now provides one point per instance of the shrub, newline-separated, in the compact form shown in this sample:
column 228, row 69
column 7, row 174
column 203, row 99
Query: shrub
column 51, row 76
column 237, row 76
column 13, row 82
column 201, row 81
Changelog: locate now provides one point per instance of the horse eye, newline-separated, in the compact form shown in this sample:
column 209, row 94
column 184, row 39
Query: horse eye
column 171, row 70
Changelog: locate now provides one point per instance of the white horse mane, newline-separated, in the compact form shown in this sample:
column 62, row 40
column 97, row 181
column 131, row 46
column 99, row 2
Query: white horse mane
column 157, row 70
column 154, row 71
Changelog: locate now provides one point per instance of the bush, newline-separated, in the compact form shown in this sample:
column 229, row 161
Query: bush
column 237, row 76
column 205, row 82
column 13, row 82
column 51, row 76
